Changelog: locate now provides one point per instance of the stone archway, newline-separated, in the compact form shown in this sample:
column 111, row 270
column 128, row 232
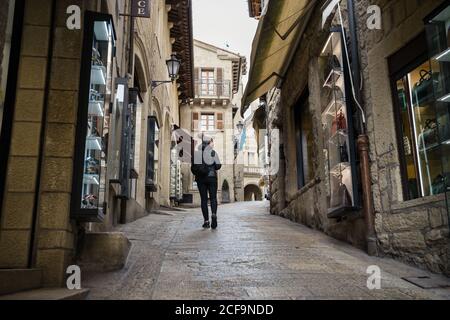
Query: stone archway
column 252, row 193
column 225, row 192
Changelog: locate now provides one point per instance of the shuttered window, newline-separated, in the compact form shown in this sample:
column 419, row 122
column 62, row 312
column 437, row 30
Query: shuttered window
column 207, row 82
column 195, row 119
column 219, row 122
column 196, row 80
column 220, row 82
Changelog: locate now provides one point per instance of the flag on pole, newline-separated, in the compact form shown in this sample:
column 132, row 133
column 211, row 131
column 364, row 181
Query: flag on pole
column 243, row 138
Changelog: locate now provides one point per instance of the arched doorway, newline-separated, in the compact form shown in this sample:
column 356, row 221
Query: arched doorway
column 225, row 192
column 252, row 193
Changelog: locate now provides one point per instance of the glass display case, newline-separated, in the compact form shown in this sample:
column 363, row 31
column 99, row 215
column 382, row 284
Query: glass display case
column 95, row 87
column 128, row 139
column 438, row 36
column 151, row 179
column 339, row 144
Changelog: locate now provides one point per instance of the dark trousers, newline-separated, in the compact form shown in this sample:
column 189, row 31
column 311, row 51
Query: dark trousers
column 208, row 186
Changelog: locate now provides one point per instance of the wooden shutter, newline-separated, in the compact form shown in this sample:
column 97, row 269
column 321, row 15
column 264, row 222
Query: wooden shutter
column 219, row 82
column 196, row 81
column 195, row 119
column 219, row 121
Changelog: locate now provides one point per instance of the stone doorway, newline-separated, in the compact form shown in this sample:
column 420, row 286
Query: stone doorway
column 225, row 192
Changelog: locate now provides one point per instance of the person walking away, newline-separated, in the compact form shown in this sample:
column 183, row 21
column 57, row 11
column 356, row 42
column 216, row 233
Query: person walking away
column 205, row 167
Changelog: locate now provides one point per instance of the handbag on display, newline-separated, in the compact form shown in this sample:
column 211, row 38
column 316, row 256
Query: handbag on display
column 440, row 183
column 423, row 90
column 340, row 197
column 96, row 57
column 343, row 153
column 339, row 123
column 92, row 166
column 429, row 136
column 89, row 201
column 95, row 96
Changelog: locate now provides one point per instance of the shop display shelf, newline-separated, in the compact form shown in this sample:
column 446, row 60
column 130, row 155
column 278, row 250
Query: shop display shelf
column 334, row 79
column 96, row 108
column 335, row 106
column 98, row 75
column 101, row 31
column 445, row 98
column 443, row 56
column 94, row 143
column 91, row 179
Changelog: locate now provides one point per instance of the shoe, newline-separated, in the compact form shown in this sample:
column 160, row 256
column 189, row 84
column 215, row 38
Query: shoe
column 214, row 221
column 206, row 225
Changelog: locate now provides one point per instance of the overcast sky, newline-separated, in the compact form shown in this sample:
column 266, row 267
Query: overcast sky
column 225, row 23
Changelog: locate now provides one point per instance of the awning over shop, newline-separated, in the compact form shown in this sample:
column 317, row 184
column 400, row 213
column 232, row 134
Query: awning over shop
column 278, row 34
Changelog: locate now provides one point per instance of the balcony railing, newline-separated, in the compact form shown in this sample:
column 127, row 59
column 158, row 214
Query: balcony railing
column 254, row 171
column 212, row 89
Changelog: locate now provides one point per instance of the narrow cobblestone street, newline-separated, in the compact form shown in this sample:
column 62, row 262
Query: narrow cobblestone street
column 252, row 255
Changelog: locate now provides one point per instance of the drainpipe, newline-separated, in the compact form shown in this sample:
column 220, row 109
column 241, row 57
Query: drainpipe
column 363, row 139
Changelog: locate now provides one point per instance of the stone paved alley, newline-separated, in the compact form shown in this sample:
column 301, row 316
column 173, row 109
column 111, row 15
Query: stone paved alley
column 252, row 255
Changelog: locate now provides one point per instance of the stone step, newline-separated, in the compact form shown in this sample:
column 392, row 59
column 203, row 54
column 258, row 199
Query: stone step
column 48, row 294
column 16, row 280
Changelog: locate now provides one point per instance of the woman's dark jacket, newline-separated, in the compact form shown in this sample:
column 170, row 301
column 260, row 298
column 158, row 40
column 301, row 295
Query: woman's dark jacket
column 212, row 167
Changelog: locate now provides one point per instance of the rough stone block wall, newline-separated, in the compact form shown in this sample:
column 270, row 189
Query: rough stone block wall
column 412, row 231
column 46, row 106
column 55, row 240
column 19, row 198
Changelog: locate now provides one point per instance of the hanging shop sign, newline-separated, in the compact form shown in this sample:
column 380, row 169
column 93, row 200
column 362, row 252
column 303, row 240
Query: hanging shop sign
column 140, row 8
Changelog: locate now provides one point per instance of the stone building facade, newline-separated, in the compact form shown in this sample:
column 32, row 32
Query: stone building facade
column 213, row 113
column 411, row 227
column 413, row 230
column 40, row 233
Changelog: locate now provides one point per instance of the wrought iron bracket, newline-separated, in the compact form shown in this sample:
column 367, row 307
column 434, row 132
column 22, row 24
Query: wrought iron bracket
column 155, row 84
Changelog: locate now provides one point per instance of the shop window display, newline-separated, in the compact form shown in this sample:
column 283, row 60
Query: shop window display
column 438, row 35
column 422, row 146
column 339, row 144
column 423, row 101
column 89, row 176
column 151, row 181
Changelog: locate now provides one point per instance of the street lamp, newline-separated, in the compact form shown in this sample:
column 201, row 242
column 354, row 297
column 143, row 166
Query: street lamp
column 173, row 67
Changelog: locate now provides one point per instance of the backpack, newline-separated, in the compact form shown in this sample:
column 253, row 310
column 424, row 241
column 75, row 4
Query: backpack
column 200, row 170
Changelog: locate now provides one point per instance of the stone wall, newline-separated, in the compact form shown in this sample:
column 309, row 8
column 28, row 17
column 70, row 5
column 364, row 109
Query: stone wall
column 415, row 231
column 412, row 231
column 152, row 48
column 40, row 163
